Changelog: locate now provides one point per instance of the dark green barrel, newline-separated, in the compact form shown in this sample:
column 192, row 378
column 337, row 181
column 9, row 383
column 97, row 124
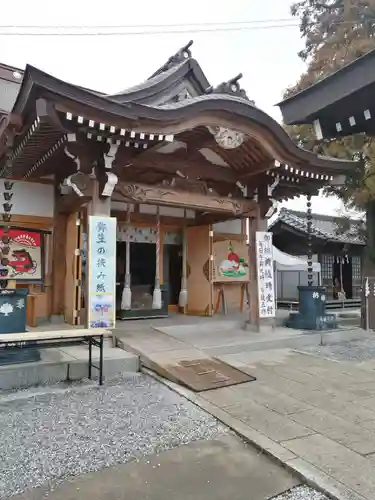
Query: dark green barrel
column 13, row 320
column 312, row 310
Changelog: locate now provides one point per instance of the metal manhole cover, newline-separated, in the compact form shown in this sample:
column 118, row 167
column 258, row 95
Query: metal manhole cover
column 205, row 374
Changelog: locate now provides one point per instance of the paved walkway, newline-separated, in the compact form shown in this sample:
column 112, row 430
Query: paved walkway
column 218, row 469
column 315, row 415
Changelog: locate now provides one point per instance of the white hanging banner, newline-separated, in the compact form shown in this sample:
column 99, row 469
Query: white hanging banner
column 102, row 272
column 266, row 288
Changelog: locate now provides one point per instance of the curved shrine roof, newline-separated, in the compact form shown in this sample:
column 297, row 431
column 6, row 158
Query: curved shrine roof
column 175, row 100
column 172, row 118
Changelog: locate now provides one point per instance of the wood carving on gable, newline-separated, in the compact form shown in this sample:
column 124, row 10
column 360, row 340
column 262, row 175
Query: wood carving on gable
column 191, row 186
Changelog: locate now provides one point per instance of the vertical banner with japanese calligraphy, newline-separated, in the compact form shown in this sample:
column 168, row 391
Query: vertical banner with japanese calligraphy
column 266, row 285
column 102, row 272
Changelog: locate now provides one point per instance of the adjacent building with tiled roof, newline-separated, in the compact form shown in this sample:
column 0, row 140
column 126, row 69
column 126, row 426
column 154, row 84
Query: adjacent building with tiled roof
column 339, row 250
column 326, row 227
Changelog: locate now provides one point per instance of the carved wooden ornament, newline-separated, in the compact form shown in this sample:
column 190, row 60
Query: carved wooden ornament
column 227, row 138
column 142, row 193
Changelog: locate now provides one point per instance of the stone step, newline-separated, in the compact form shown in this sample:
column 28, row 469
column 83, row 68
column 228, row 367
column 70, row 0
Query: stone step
column 66, row 363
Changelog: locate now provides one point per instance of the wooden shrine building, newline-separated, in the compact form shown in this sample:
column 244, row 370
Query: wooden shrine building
column 181, row 165
column 339, row 251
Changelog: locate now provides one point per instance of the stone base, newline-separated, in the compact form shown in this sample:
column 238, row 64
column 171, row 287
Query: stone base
column 265, row 326
column 299, row 321
column 141, row 314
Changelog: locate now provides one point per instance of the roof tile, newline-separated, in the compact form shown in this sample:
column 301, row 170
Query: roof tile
column 323, row 226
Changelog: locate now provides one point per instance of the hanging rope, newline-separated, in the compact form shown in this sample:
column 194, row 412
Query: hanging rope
column 310, row 276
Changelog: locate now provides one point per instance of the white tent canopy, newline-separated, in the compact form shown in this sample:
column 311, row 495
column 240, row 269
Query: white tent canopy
column 285, row 262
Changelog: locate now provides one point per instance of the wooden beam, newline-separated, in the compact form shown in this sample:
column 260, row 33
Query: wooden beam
column 59, row 263
column 206, row 219
column 71, row 202
column 143, row 193
column 170, row 165
column 259, row 168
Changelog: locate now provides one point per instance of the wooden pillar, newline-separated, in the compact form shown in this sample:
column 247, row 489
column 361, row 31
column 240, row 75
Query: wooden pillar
column 126, row 298
column 183, row 298
column 99, row 206
column 59, row 264
column 156, row 299
column 72, row 288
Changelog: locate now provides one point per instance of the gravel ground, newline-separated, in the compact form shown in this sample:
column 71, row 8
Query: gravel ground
column 50, row 433
column 301, row 493
column 355, row 350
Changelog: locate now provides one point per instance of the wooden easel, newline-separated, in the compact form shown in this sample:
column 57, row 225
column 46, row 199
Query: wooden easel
column 244, row 294
column 221, row 302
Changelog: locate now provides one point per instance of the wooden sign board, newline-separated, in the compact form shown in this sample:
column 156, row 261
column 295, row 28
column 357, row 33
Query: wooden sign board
column 25, row 255
column 265, row 275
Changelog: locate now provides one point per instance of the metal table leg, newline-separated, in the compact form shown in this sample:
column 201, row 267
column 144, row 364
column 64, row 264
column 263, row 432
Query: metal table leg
column 101, row 360
column 90, row 356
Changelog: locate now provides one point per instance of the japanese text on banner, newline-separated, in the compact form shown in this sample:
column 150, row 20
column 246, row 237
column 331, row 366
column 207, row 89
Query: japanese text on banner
column 266, row 285
column 102, row 258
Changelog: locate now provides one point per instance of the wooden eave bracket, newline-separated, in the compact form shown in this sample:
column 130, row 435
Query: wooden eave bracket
column 10, row 126
column 107, row 184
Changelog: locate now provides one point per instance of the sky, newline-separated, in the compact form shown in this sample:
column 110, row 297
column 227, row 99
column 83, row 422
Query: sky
column 265, row 53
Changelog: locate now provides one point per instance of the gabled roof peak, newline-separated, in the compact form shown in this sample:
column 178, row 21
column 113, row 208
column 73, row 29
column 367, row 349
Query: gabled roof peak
column 230, row 87
column 180, row 56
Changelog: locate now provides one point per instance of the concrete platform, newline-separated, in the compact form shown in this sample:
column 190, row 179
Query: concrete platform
column 216, row 339
column 66, row 363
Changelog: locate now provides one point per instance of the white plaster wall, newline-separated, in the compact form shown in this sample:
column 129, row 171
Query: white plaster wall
column 228, row 227
column 31, row 198
column 121, row 206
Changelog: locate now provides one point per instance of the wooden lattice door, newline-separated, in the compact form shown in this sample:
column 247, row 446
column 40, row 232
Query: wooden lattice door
column 199, row 270
column 73, row 276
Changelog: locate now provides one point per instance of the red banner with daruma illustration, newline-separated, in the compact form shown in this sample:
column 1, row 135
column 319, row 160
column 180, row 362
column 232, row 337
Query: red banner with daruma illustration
column 25, row 254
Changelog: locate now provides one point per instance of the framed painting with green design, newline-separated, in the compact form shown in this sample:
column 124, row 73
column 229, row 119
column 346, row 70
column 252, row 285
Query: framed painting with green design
column 230, row 261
